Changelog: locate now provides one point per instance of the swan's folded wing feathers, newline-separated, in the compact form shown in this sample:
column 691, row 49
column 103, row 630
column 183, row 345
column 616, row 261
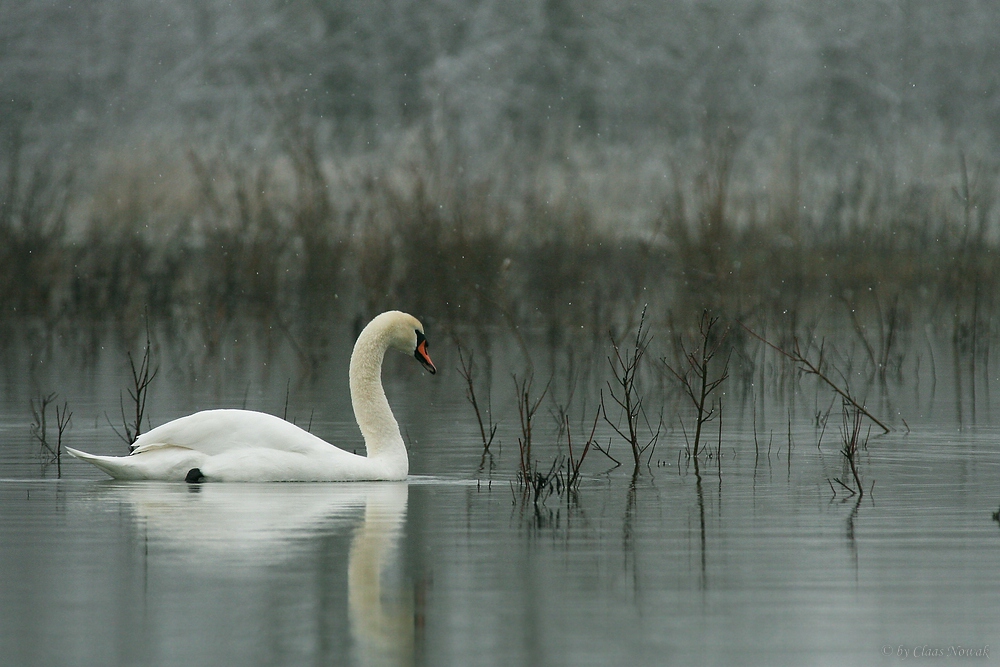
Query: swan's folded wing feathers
column 217, row 431
column 148, row 447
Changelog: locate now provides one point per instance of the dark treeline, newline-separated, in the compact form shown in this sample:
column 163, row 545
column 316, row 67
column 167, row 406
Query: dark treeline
column 247, row 239
column 552, row 162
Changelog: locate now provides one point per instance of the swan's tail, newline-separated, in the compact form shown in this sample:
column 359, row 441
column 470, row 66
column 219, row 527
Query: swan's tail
column 116, row 466
column 169, row 463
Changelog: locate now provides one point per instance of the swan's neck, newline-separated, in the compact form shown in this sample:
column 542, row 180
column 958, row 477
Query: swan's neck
column 371, row 409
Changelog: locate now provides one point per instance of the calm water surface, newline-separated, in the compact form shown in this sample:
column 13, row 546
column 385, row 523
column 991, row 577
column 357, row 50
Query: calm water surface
column 754, row 561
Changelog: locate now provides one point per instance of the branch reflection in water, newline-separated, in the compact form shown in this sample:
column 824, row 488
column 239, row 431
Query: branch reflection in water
column 225, row 530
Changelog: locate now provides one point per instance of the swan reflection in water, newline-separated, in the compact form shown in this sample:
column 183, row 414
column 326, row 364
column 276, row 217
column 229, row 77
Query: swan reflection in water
column 221, row 531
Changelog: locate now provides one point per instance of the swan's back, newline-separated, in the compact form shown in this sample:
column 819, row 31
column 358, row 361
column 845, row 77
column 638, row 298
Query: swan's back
column 215, row 432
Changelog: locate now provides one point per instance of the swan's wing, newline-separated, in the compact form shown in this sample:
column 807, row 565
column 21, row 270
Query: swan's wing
column 215, row 432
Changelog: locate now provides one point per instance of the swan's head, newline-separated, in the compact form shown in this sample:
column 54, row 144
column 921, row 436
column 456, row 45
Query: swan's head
column 407, row 335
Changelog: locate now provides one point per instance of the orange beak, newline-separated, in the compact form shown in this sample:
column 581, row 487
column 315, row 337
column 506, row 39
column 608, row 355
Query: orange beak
column 421, row 355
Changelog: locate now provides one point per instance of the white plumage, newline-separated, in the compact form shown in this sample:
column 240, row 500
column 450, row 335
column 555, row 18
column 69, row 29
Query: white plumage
column 248, row 446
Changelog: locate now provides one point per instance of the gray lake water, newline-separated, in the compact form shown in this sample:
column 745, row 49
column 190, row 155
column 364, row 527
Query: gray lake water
column 753, row 559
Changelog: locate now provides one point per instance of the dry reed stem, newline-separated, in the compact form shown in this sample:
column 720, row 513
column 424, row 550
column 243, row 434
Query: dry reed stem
column 799, row 358
column 625, row 368
column 467, row 370
column 695, row 380
column 575, row 464
column 526, row 408
column 142, row 378
column 852, row 425
column 39, row 427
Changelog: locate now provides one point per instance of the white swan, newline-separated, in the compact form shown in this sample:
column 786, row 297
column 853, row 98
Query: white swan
column 247, row 446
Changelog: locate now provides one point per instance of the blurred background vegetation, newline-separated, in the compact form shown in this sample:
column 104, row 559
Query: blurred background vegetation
column 548, row 162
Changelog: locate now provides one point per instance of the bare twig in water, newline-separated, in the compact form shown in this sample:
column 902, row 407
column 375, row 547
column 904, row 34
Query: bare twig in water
column 542, row 485
column 288, row 389
column 851, row 431
column 606, row 450
column 625, row 367
column 526, row 408
column 823, row 419
column 39, row 427
column 467, row 371
column 695, row 380
column 563, row 475
column 574, row 464
column 142, row 377
column 39, row 412
column 798, row 357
